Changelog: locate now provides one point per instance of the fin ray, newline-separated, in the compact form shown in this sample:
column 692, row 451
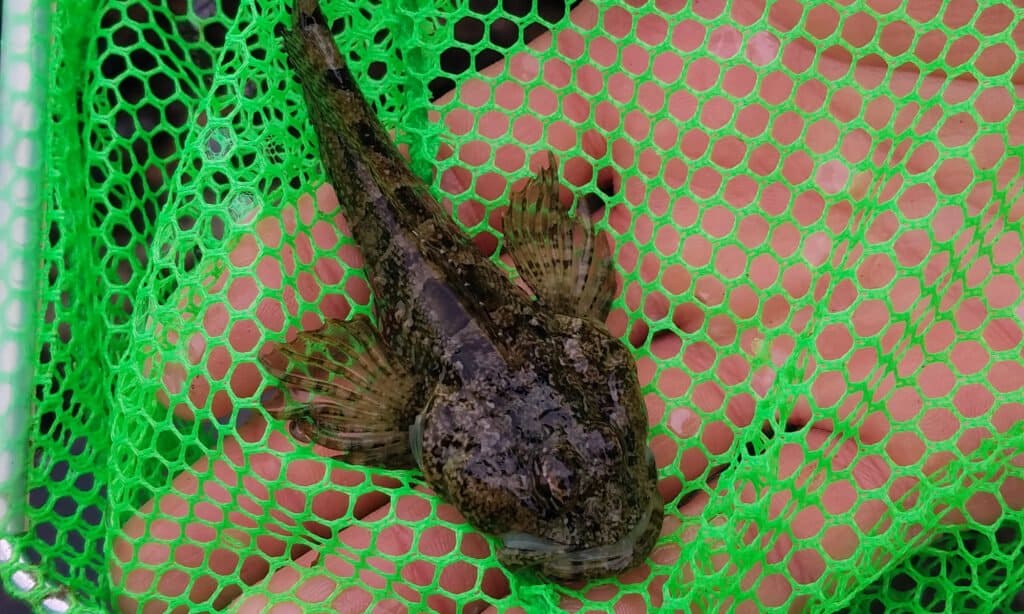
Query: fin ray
column 341, row 389
column 568, row 265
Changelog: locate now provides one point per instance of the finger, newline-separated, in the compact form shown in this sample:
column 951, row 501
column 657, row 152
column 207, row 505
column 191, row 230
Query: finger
column 701, row 393
column 972, row 413
column 288, row 268
column 684, row 233
column 523, row 81
column 637, row 590
column 259, row 500
column 555, row 80
column 829, row 509
column 391, row 561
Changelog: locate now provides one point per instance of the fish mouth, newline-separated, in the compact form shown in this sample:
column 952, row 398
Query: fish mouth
column 561, row 562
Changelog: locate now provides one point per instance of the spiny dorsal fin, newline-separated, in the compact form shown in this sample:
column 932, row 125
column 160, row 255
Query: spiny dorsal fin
column 560, row 256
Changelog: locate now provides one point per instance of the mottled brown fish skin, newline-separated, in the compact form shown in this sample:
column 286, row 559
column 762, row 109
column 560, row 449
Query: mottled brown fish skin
column 532, row 422
column 411, row 247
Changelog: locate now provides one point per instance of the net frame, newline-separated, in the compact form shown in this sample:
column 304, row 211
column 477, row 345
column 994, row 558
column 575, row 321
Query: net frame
column 24, row 64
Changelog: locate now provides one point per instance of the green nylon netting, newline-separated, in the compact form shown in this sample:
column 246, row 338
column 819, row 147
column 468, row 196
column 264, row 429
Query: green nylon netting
column 816, row 212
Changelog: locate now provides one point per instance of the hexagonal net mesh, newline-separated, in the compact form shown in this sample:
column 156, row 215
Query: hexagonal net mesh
column 816, row 213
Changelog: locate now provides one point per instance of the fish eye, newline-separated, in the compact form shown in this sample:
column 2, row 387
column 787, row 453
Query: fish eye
column 559, row 477
column 555, row 475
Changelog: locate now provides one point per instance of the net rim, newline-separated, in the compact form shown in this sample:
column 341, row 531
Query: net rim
column 24, row 84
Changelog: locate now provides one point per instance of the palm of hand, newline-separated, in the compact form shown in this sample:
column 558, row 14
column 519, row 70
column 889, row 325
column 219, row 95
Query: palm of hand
column 797, row 247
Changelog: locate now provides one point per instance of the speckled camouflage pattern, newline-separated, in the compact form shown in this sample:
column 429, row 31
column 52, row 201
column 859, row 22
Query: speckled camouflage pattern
column 526, row 415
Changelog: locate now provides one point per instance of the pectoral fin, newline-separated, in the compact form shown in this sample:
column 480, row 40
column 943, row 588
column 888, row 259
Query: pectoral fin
column 559, row 255
column 340, row 389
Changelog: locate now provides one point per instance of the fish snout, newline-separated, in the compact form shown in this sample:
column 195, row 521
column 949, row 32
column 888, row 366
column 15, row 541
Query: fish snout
column 562, row 562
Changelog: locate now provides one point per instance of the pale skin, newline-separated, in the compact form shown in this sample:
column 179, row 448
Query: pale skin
column 740, row 338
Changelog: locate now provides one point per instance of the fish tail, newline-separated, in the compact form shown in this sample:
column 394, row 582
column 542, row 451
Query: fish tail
column 345, row 121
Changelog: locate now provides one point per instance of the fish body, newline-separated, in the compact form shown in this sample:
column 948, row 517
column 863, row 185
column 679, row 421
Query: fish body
column 523, row 411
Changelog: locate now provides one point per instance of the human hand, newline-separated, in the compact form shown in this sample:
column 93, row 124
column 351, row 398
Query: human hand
column 840, row 257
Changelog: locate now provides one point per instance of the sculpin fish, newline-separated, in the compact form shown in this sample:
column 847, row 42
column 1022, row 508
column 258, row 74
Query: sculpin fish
column 520, row 409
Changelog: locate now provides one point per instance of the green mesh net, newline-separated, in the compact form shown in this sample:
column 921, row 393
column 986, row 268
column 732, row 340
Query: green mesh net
column 817, row 218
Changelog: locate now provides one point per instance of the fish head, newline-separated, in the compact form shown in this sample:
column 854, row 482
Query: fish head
column 593, row 507
column 553, row 458
column 584, row 519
